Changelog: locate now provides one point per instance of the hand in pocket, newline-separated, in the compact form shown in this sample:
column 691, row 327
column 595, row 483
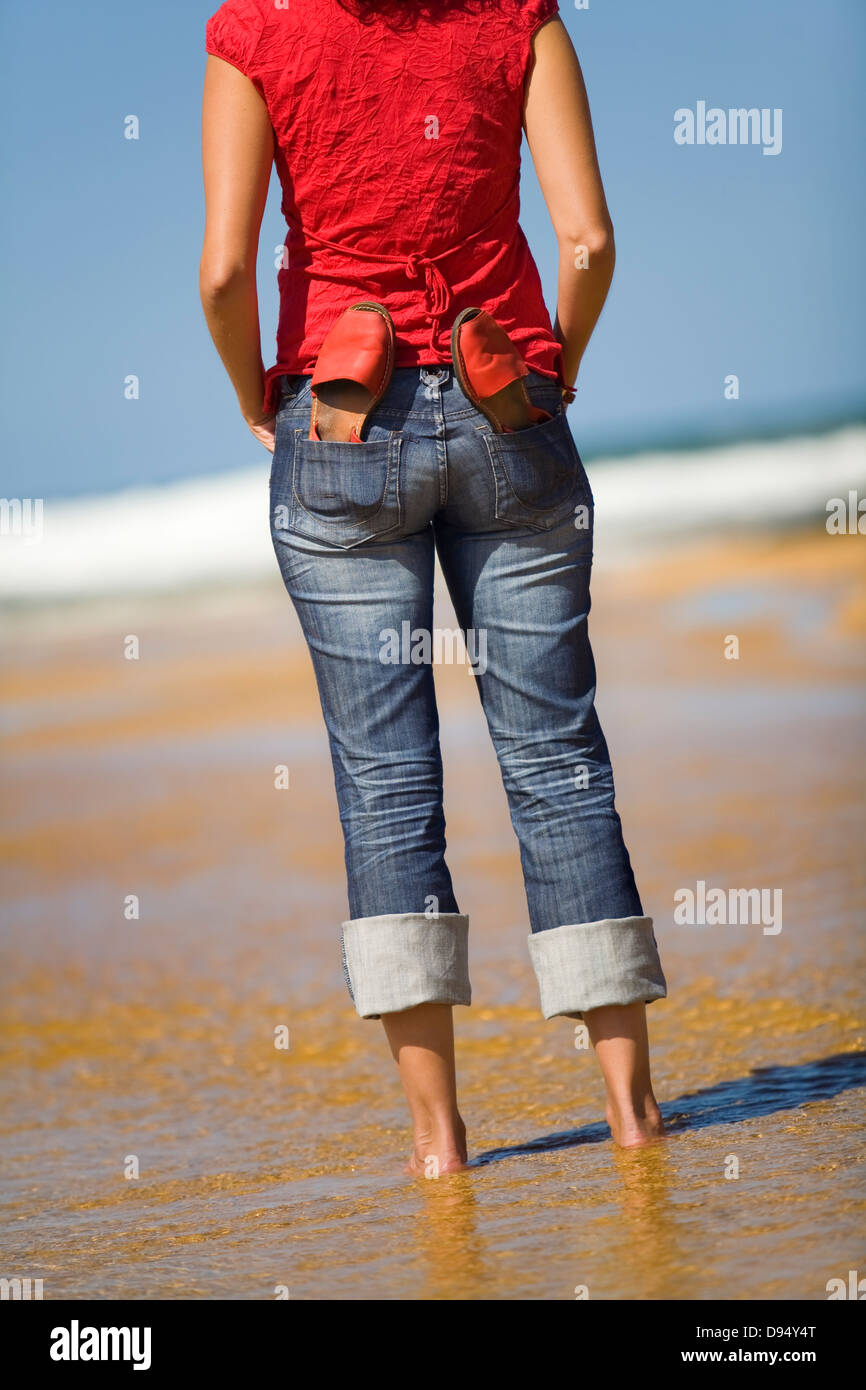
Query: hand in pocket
column 264, row 430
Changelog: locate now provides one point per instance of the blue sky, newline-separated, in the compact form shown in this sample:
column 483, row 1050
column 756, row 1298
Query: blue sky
column 729, row 261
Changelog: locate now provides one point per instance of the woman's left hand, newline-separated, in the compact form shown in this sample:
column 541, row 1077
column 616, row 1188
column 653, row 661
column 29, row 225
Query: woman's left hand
column 263, row 429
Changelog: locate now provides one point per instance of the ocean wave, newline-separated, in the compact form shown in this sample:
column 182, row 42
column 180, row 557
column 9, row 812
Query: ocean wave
column 214, row 530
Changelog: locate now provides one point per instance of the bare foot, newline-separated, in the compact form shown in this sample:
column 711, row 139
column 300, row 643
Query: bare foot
column 636, row 1125
column 437, row 1152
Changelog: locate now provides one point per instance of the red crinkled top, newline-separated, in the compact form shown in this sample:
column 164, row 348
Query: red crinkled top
column 397, row 145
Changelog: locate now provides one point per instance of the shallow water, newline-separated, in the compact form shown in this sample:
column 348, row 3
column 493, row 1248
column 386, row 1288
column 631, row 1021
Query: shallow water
column 258, row 1168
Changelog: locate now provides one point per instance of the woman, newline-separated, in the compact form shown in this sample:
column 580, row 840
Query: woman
column 396, row 131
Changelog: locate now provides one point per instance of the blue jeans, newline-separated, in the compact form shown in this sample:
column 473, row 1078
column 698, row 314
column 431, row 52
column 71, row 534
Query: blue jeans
column 356, row 528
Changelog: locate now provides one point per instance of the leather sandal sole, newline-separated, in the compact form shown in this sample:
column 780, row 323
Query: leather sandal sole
column 335, row 393
column 513, row 398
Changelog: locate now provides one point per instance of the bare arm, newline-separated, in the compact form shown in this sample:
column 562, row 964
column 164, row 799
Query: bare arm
column 559, row 130
column 237, row 153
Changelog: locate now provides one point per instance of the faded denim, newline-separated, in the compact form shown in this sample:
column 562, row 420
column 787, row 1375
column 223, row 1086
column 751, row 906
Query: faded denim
column 355, row 530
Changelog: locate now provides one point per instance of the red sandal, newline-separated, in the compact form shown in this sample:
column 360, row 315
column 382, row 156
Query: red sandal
column 490, row 371
column 352, row 372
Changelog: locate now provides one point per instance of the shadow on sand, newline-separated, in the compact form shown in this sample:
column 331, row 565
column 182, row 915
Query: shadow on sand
column 764, row 1091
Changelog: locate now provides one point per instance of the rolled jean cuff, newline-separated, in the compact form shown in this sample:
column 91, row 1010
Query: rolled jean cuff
column 586, row 965
column 401, row 959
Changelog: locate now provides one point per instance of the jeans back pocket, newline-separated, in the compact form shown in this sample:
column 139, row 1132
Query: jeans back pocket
column 538, row 475
column 344, row 494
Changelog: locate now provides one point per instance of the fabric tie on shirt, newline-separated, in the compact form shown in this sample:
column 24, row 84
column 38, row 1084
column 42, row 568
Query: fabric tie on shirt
column 436, row 288
column 437, row 291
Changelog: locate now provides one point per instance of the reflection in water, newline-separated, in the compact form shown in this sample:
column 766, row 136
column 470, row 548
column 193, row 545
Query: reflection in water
column 447, row 1240
column 649, row 1233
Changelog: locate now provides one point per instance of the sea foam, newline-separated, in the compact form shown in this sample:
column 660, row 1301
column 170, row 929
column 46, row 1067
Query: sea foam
column 214, row 530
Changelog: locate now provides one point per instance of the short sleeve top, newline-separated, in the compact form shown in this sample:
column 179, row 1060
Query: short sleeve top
column 233, row 34
column 397, row 137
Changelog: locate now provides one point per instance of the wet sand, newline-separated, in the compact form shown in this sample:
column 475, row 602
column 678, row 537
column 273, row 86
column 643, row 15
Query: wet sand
column 259, row 1167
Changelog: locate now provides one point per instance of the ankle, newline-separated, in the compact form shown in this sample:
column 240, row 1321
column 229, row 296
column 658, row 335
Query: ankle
column 637, row 1103
column 440, row 1123
column 442, row 1132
